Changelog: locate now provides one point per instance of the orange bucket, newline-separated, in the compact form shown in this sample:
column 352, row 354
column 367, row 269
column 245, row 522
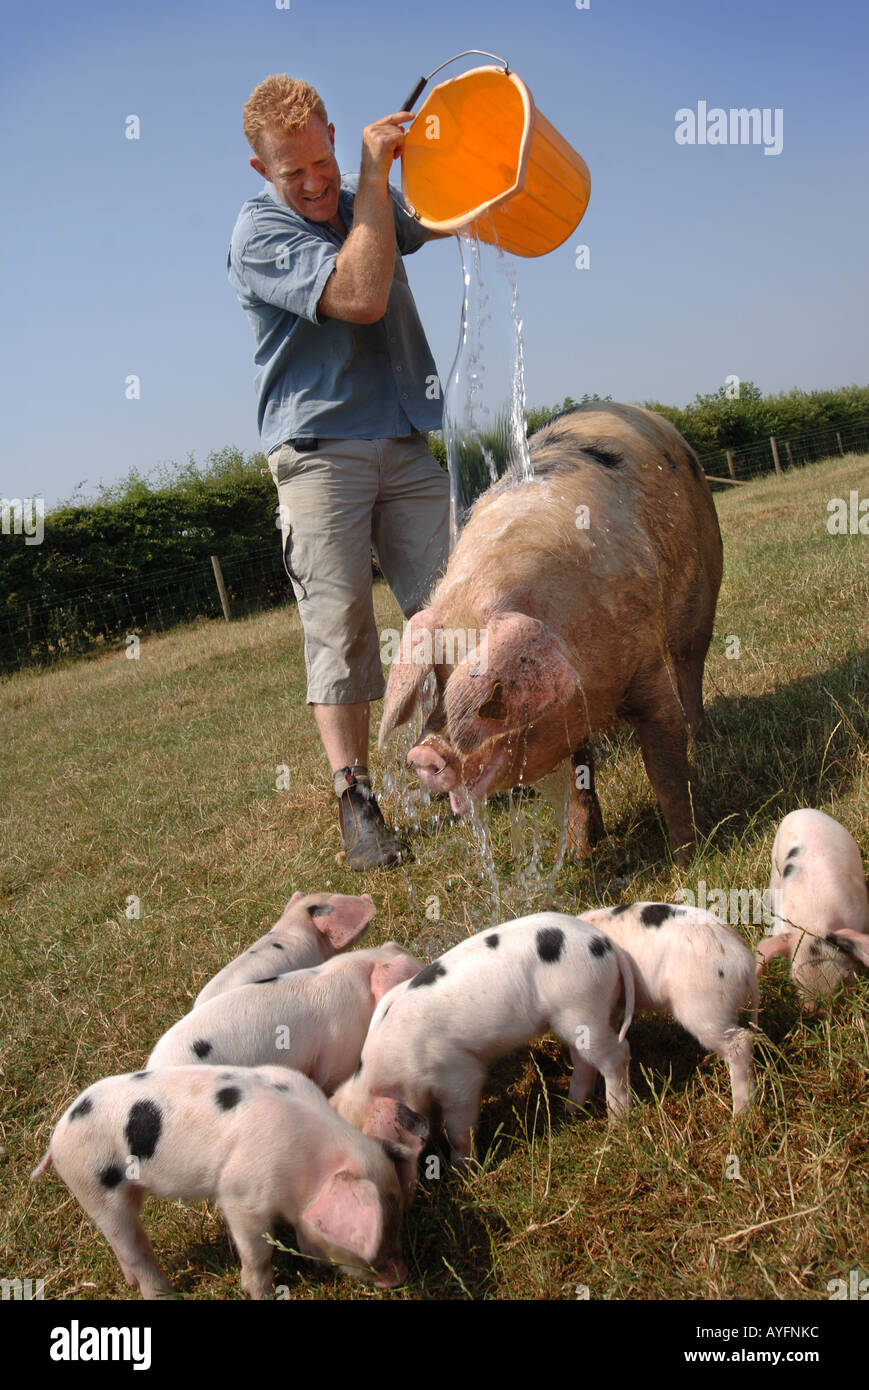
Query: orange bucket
column 480, row 157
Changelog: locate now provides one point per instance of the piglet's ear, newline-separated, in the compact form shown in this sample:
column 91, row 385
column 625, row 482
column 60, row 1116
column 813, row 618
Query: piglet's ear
column 514, row 675
column 347, row 1211
column 387, row 974
column 853, row 943
column 780, row 945
column 408, row 671
column 343, row 919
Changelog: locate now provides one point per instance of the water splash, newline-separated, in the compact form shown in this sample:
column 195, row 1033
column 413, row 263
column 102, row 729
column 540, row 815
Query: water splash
column 484, row 401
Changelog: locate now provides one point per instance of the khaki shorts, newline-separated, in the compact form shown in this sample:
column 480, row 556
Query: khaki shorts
column 337, row 503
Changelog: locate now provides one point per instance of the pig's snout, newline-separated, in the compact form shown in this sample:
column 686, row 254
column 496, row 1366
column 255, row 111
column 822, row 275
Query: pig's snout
column 433, row 767
column 391, row 1275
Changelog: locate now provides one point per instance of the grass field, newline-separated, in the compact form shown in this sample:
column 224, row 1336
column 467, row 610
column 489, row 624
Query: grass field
column 156, row 780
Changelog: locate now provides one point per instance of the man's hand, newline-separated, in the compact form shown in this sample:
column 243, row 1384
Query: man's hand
column 383, row 142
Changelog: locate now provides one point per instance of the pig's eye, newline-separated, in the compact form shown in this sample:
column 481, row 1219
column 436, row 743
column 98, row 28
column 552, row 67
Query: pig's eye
column 494, row 708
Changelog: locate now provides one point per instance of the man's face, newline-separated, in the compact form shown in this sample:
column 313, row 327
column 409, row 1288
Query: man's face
column 303, row 169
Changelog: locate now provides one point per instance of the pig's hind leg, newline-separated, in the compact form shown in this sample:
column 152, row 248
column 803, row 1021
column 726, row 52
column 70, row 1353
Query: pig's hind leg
column 720, row 1033
column 116, row 1214
column 594, row 1049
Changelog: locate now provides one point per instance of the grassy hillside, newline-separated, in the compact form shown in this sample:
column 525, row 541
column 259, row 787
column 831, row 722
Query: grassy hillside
column 155, row 780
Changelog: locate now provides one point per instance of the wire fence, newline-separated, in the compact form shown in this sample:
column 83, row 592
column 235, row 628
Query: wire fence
column 777, row 455
column 105, row 615
column 33, row 634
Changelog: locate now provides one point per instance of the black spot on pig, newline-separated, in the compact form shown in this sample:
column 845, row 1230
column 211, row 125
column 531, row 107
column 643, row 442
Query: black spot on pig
column 140, row 1075
column 491, row 940
column 325, row 911
column 617, row 911
column 84, row 1107
column 111, row 1175
column 610, row 458
column 281, row 1085
column 599, row 945
column 797, row 849
column 252, row 951
column 201, row 1047
column 653, row 914
column 228, row 1097
column 720, row 973
column 143, row 1127
column 269, row 980
column 789, row 869
column 550, row 944
column 226, row 1076
column 276, row 946
column 815, row 951
column 427, row 975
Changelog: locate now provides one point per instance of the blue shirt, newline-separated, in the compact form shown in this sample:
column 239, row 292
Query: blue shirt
column 319, row 375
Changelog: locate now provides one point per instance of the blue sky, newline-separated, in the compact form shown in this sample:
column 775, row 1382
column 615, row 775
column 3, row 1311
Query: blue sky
column 704, row 260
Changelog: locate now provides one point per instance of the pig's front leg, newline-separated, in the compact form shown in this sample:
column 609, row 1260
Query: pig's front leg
column 248, row 1229
column 461, row 1111
column 584, row 820
column 665, row 756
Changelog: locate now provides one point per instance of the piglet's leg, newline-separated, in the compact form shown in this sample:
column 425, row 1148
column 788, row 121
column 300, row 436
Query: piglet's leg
column 117, row 1216
column 581, row 1082
column 247, row 1229
column 461, row 1110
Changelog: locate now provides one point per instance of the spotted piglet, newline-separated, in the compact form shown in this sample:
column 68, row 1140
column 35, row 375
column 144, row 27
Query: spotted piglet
column 688, row 964
column 263, row 1143
column 312, row 1020
column 820, row 904
column 432, row 1040
column 310, row 930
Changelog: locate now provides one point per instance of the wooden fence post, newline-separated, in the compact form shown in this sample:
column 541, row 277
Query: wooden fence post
column 775, row 457
column 730, row 468
column 221, row 587
column 789, row 454
column 841, row 445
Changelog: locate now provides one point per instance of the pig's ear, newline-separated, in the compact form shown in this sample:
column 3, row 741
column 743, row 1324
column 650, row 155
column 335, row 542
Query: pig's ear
column 780, row 945
column 408, row 671
column 853, row 943
column 347, row 1211
column 513, row 676
column 343, row 919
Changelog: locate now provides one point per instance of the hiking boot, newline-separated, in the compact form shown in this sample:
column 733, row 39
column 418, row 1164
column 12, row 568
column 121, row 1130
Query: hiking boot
column 368, row 842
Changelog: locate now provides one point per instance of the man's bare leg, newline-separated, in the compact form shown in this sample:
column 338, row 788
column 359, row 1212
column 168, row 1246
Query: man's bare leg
column 344, row 733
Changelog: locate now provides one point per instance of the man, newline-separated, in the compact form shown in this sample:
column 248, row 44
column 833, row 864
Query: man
column 347, row 390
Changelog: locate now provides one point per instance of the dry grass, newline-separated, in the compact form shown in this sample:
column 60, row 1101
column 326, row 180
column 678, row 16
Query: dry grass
column 156, row 779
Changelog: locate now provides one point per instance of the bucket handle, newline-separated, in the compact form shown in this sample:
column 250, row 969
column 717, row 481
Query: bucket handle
column 408, row 105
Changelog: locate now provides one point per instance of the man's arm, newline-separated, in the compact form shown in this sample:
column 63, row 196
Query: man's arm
column 358, row 288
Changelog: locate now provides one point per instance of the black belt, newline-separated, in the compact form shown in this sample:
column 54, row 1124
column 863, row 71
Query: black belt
column 308, row 443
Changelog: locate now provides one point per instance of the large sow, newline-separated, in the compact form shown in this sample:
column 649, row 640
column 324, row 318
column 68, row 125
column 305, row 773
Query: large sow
column 591, row 590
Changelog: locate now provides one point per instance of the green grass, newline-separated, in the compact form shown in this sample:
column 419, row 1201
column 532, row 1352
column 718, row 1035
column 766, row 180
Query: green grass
column 156, row 779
